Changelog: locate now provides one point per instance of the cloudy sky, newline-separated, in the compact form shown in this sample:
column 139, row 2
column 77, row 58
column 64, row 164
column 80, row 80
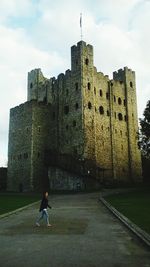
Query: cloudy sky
column 39, row 34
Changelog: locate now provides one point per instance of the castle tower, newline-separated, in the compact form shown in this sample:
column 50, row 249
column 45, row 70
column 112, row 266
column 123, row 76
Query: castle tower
column 28, row 139
column 82, row 72
column 91, row 84
column 127, row 76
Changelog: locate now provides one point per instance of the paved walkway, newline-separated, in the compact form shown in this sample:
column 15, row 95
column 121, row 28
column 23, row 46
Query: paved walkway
column 83, row 234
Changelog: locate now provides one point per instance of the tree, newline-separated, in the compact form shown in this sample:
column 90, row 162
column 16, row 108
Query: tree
column 144, row 138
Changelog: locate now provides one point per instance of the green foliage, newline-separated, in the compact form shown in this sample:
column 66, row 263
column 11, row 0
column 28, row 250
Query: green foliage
column 144, row 141
column 146, row 169
column 135, row 206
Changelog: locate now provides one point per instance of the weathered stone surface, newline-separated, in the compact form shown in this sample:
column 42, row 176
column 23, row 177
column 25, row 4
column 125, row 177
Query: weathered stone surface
column 83, row 114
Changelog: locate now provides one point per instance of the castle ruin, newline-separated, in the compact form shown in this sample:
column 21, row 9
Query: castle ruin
column 76, row 131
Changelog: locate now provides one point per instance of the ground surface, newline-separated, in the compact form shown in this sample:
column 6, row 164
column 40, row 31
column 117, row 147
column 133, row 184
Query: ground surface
column 83, row 234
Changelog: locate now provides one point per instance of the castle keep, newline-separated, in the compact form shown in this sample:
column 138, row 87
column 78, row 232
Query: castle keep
column 77, row 131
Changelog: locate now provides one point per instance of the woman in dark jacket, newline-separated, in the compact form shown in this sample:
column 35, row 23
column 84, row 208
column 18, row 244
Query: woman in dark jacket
column 43, row 210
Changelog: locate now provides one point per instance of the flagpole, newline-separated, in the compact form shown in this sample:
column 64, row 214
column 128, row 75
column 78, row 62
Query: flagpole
column 81, row 25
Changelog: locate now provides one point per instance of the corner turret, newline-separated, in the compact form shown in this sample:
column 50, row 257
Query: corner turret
column 81, row 55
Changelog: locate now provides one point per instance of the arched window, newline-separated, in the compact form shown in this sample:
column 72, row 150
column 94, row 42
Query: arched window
column 89, row 86
column 25, row 155
column 131, row 84
column 108, row 114
column 94, row 90
column 87, row 61
column 76, row 106
column 119, row 101
column 89, row 105
column 100, row 92
column 44, row 99
column 74, row 123
column 53, row 115
column 101, row 110
column 120, row 116
column 76, row 86
column 31, row 85
column 124, row 102
column 66, row 109
column 107, row 95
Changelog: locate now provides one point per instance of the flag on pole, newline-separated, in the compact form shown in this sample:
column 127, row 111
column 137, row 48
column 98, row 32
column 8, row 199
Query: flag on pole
column 80, row 20
column 81, row 25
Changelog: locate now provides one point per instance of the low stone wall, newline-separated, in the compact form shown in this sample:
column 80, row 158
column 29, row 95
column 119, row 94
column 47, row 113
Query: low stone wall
column 61, row 180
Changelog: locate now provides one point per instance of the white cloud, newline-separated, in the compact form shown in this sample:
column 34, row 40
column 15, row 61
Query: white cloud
column 39, row 33
column 14, row 8
column 17, row 57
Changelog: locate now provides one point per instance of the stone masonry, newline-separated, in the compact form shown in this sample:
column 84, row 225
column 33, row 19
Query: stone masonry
column 76, row 131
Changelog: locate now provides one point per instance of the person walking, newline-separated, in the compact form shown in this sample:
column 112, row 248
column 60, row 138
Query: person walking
column 43, row 210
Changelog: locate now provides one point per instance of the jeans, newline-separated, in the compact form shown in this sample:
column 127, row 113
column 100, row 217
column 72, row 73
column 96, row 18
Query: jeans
column 43, row 213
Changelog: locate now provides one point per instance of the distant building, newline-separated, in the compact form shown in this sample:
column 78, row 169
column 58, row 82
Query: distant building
column 3, row 178
column 76, row 131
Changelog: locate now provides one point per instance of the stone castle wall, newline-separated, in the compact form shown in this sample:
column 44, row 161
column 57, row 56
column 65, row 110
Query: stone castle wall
column 83, row 114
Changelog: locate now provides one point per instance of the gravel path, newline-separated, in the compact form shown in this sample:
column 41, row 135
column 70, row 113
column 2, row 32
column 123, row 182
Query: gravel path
column 83, row 234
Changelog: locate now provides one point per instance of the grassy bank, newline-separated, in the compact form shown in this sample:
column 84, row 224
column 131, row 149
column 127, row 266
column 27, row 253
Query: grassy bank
column 135, row 206
column 9, row 202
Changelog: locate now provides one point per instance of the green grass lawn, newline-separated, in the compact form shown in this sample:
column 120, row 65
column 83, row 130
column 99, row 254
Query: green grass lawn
column 9, row 202
column 135, row 206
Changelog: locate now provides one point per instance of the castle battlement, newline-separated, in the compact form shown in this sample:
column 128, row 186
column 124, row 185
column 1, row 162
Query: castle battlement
column 122, row 73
